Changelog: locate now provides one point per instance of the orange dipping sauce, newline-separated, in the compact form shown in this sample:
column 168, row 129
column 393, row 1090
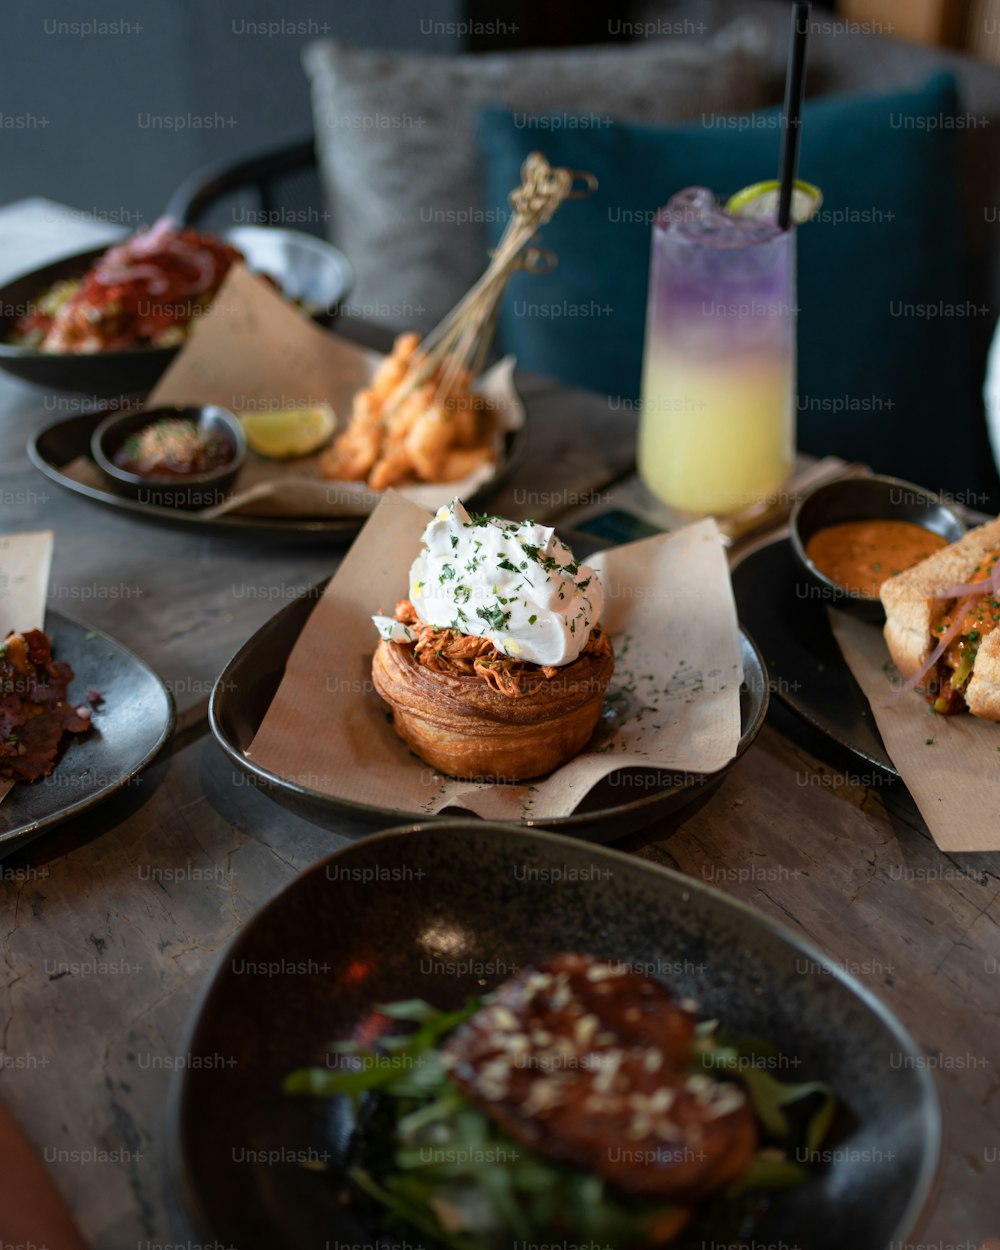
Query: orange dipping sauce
column 861, row 555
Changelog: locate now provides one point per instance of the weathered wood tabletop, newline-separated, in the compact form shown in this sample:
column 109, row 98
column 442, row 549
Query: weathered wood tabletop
column 110, row 925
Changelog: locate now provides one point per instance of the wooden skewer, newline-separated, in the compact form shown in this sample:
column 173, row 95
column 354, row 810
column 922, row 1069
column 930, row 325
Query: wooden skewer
column 459, row 344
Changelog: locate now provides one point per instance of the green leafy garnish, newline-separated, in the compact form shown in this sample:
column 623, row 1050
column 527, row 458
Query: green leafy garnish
column 496, row 617
column 433, row 1162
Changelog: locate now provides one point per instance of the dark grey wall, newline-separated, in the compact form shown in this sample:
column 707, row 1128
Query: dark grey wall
column 85, row 117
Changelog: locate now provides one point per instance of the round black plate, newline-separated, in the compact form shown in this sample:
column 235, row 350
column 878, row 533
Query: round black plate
column 129, row 727
column 56, row 446
column 807, row 670
column 449, row 910
column 244, row 692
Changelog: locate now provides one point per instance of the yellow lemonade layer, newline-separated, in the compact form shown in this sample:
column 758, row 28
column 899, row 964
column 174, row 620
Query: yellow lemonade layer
column 716, row 437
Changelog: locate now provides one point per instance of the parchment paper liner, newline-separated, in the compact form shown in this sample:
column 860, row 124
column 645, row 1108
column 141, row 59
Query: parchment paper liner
column 254, row 352
column 673, row 703
column 950, row 764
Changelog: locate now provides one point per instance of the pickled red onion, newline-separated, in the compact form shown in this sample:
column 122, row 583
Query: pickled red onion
column 989, row 584
column 145, row 241
column 945, row 641
column 112, row 275
column 971, row 592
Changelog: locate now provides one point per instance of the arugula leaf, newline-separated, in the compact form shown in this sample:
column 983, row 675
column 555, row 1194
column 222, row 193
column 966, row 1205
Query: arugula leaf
column 769, row 1173
column 408, row 1211
column 769, row 1095
column 402, row 1066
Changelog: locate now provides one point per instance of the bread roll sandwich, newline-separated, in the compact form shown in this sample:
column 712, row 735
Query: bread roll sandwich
column 941, row 624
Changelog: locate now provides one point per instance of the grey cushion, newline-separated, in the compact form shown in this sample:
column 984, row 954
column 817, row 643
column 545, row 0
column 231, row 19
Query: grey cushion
column 397, row 152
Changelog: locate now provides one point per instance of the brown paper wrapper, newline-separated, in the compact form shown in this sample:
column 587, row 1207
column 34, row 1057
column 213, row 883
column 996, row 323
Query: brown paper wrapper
column 950, row 764
column 673, row 702
column 255, row 352
column 25, row 561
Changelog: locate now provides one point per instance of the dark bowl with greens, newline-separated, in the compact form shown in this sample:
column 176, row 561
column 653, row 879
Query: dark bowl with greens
column 314, row 1109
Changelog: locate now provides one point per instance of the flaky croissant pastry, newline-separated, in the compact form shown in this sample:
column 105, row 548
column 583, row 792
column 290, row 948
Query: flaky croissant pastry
column 464, row 726
column 496, row 665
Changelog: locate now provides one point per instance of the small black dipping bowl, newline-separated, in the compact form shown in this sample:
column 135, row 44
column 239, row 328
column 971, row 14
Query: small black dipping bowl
column 189, row 492
column 864, row 499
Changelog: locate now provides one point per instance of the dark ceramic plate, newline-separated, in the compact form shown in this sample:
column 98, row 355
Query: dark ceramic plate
column 453, row 910
column 304, row 267
column 246, row 688
column 129, row 727
column 808, row 673
column 64, row 441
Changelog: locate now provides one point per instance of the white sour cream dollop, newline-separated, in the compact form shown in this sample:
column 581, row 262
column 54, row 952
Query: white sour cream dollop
column 515, row 584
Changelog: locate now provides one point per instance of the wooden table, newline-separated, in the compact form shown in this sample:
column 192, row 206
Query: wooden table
column 110, row 924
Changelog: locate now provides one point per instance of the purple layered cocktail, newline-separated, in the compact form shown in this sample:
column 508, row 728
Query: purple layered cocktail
column 717, row 433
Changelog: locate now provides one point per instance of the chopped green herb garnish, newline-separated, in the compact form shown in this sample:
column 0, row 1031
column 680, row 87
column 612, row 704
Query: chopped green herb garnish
column 495, row 616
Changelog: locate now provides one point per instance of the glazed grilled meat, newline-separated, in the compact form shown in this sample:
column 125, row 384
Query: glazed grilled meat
column 589, row 1062
column 34, row 712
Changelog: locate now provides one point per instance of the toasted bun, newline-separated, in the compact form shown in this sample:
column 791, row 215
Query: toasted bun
column 912, row 610
column 982, row 694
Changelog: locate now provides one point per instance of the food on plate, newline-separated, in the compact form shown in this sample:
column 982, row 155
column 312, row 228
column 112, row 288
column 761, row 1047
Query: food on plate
column 941, row 624
column 413, row 424
column 420, row 421
column 147, row 290
column 288, row 433
column 581, row 1097
column 496, row 665
column 34, row 708
column 861, row 555
column 174, row 447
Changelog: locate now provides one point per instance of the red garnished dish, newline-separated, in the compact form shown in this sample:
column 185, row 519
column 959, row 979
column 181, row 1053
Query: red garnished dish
column 146, row 291
column 35, row 710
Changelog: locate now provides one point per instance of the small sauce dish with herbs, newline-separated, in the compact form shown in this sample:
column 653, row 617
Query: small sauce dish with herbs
column 184, row 458
column 174, row 447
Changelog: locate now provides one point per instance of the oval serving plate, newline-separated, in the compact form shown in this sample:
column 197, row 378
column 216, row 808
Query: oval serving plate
column 62, row 442
column 808, row 672
column 459, row 907
column 244, row 691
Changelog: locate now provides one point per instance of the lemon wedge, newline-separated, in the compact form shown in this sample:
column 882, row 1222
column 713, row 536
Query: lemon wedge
column 287, row 433
column 760, row 201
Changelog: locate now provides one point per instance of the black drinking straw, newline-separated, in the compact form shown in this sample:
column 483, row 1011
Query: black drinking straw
column 794, row 82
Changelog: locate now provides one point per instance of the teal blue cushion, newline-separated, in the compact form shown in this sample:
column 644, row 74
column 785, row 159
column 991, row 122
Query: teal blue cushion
column 884, row 362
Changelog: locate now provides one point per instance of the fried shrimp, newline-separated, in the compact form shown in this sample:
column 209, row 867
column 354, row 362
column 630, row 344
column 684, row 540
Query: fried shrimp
column 426, row 437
